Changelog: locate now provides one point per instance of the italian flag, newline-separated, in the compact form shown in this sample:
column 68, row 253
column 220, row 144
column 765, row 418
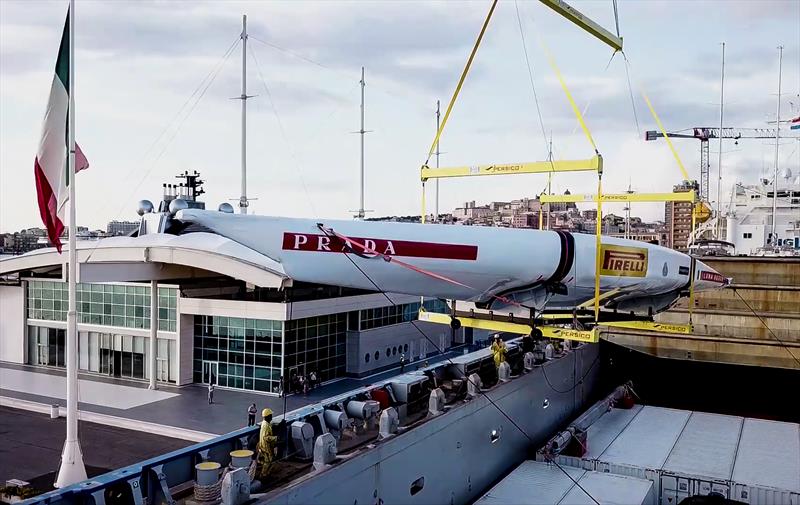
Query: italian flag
column 51, row 168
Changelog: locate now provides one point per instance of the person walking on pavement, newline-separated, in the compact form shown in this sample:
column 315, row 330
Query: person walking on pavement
column 402, row 361
column 251, row 414
column 210, row 393
column 312, row 380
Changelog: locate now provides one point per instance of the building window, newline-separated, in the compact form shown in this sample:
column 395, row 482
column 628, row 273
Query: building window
column 396, row 314
column 238, row 353
column 747, row 235
column 125, row 306
column 317, row 344
column 366, row 358
column 377, row 355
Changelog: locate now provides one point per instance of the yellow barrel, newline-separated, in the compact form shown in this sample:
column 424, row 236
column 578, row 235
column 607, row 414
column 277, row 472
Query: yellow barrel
column 241, row 458
column 207, row 473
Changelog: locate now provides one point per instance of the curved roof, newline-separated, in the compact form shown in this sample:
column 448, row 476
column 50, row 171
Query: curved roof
column 158, row 256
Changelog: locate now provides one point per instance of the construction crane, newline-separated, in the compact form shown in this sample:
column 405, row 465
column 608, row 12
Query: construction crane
column 703, row 134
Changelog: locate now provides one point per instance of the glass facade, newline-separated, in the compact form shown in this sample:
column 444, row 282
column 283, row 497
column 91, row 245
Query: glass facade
column 395, row 314
column 121, row 305
column 46, row 346
column 317, row 344
column 238, row 353
column 123, row 356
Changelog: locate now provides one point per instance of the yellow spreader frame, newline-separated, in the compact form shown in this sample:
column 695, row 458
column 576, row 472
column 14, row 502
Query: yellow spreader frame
column 551, row 331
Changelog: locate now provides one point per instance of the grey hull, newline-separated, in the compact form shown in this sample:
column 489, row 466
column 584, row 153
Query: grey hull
column 454, row 452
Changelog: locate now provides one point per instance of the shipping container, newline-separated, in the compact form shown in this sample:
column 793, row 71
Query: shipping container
column 644, row 445
column 702, row 460
column 612, row 489
column 534, row 483
column 767, row 467
column 695, row 453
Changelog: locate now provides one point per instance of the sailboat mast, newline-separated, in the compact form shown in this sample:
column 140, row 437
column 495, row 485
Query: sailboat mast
column 243, row 202
column 72, row 469
column 719, row 164
column 436, row 209
column 774, row 239
column 361, row 212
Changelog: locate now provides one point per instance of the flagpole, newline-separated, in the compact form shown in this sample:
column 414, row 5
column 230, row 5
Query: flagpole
column 72, row 468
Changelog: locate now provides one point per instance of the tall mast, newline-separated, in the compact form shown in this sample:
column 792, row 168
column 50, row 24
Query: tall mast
column 777, row 140
column 719, row 165
column 72, row 469
column 243, row 201
column 436, row 207
column 361, row 131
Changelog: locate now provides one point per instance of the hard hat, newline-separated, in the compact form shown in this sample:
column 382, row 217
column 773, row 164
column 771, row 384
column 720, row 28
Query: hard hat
column 266, row 412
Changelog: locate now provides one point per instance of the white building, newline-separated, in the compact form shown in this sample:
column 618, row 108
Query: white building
column 749, row 219
column 226, row 315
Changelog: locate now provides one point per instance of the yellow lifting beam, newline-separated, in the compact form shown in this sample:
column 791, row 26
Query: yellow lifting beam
column 574, row 15
column 682, row 329
column 688, row 196
column 591, row 336
column 593, row 164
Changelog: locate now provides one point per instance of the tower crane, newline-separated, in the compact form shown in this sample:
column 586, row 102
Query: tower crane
column 703, row 134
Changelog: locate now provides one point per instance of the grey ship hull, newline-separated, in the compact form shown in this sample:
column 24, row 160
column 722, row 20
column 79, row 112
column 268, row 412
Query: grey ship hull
column 454, row 452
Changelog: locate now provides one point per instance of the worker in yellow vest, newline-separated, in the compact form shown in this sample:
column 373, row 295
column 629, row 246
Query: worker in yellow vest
column 266, row 444
column 498, row 350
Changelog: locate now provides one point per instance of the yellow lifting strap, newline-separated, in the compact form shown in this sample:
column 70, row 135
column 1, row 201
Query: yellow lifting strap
column 572, row 103
column 666, row 137
column 461, row 80
column 597, row 243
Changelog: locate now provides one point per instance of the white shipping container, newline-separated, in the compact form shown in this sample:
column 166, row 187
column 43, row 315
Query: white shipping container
column 702, row 460
column 767, row 467
column 532, row 483
column 695, row 453
column 611, row 489
column 647, row 441
column 535, row 483
column 606, row 429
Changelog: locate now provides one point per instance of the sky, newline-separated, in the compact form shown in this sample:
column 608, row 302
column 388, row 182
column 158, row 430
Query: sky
column 153, row 89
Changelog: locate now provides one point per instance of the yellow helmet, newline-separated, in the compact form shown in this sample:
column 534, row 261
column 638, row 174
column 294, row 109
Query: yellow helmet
column 266, row 412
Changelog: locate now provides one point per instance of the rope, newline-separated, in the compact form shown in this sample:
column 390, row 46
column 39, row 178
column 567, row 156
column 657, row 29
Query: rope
column 767, row 327
column 292, row 152
column 630, row 92
column 212, row 493
column 203, row 87
column 368, row 253
column 478, row 388
column 460, row 82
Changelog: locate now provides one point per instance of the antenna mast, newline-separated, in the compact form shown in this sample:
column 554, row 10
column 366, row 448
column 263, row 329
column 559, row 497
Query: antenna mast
column 774, row 239
column 243, row 200
column 719, row 165
column 436, row 209
column 361, row 212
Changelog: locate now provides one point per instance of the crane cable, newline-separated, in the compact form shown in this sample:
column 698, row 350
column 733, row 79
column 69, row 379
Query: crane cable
column 460, row 82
